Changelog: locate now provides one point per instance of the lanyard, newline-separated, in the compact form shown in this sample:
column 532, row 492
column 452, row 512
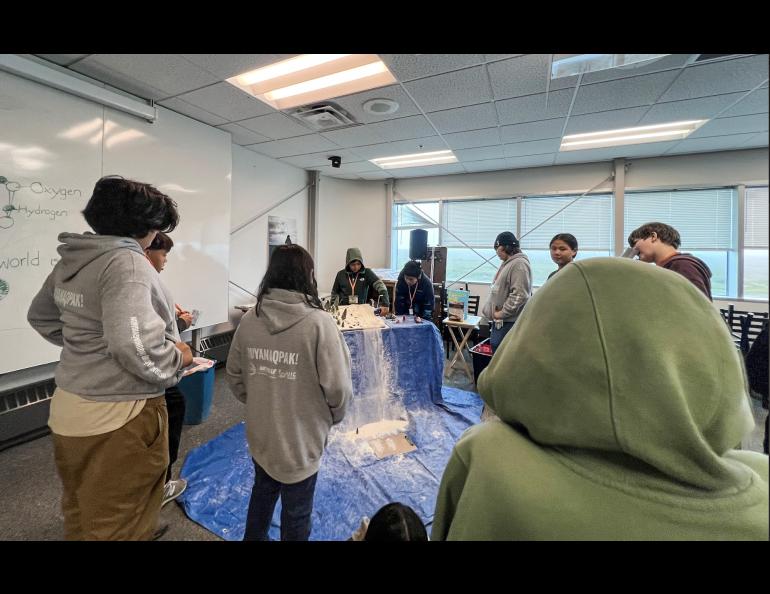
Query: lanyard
column 412, row 294
column 353, row 285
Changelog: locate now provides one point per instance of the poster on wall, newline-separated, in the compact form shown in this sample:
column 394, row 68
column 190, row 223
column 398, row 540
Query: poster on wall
column 280, row 230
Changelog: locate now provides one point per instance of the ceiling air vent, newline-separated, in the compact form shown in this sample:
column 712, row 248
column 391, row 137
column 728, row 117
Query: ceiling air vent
column 323, row 117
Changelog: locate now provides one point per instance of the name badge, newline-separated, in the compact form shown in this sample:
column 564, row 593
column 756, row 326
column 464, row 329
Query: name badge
column 353, row 299
column 411, row 312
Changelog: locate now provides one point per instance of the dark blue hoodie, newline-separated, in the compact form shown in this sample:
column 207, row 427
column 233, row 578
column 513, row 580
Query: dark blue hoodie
column 423, row 297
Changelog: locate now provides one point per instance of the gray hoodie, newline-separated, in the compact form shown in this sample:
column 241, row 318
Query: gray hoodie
column 511, row 289
column 105, row 304
column 291, row 367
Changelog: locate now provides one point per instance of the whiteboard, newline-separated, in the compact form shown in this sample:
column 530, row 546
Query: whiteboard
column 53, row 148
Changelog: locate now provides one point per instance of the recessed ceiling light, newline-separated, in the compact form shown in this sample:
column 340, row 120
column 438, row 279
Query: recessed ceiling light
column 636, row 135
column 311, row 78
column 381, row 107
column 415, row 160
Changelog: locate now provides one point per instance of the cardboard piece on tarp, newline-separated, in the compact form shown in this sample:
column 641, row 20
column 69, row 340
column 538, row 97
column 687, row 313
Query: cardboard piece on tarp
column 391, row 445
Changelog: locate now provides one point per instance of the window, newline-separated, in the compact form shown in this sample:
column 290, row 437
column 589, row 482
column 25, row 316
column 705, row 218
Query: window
column 589, row 220
column 704, row 219
column 407, row 217
column 477, row 223
column 755, row 244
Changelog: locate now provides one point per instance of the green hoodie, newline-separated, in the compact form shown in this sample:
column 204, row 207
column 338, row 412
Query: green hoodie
column 364, row 280
column 621, row 398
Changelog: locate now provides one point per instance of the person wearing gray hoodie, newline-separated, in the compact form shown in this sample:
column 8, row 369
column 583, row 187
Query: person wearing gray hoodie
column 510, row 290
column 290, row 365
column 105, row 306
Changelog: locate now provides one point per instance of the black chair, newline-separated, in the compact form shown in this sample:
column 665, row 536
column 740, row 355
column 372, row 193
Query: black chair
column 744, row 326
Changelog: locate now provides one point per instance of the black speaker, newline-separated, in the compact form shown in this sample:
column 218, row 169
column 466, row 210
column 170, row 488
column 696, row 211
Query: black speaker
column 418, row 244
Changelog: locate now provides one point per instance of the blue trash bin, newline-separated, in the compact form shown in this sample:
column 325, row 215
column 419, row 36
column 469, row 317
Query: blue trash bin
column 198, row 392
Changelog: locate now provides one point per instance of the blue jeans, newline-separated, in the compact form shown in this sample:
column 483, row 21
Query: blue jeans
column 296, row 507
column 496, row 336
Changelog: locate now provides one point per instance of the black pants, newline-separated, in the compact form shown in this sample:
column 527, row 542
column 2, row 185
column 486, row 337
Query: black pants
column 176, row 408
column 296, row 506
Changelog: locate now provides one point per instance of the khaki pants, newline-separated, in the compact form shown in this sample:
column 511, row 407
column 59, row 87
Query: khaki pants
column 113, row 483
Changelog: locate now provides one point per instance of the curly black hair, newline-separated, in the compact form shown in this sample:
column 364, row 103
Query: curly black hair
column 291, row 267
column 128, row 208
column 666, row 233
column 161, row 242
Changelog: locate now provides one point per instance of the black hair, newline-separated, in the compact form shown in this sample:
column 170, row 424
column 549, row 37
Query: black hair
column 396, row 522
column 567, row 238
column 666, row 233
column 161, row 242
column 291, row 267
column 128, row 208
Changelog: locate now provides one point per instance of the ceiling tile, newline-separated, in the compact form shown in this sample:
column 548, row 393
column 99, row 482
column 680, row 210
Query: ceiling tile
column 496, row 57
column 63, row 59
column 737, row 125
column 381, row 174
column 170, row 74
column 713, row 143
column 462, row 140
column 242, row 136
column 531, row 161
column 353, row 104
column 488, row 165
column 411, row 66
column 227, row 101
column 532, row 131
column 388, row 131
column 534, row 147
column 300, row 145
column 322, row 158
column 402, row 147
column 446, row 169
column 666, row 63
column 480, row 153
column 605, row 120
column 533, row 107
column 755, row 102
column 626, row 92
column 473, row 117
column 525, row 75
column 717, row 78
column 688, row 109
column 446, row 91
column 276, row 126
column 757, row 140
column 354, row 136
column 226, row 65
column 192, row 111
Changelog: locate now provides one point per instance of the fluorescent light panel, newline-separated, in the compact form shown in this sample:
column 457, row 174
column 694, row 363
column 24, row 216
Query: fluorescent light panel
column 415, row 160
column 310, row 78
column 584, row 63
column 637, row 135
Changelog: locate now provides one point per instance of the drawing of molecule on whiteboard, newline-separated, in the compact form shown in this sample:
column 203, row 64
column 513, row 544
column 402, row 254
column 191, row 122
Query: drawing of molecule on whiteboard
column 6, row 220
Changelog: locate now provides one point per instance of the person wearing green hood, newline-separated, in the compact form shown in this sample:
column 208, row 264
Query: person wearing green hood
column 619, row 420
column 354, row 282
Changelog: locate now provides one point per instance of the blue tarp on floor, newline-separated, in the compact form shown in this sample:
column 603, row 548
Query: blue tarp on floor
column 352, row 481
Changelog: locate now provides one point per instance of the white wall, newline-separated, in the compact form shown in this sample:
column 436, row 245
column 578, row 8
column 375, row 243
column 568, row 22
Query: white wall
column 350, row 214
column 708, row 169
column 258, row 183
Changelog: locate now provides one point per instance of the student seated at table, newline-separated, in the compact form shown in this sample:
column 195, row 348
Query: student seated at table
column 354, row 283
column 617, row 422
column 414, row 293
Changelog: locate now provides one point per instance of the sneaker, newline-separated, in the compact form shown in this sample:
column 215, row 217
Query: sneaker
column 172, row 490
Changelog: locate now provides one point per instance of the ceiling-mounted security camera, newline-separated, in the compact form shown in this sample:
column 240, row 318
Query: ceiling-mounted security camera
column 336, row 161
